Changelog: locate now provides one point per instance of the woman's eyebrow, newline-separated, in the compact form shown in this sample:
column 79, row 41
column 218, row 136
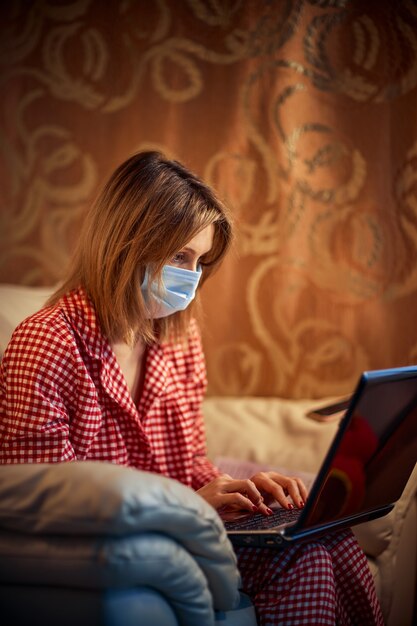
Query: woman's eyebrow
column 192, row 251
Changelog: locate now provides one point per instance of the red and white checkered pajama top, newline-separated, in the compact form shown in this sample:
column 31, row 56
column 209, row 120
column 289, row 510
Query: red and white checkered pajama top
column 63, row 397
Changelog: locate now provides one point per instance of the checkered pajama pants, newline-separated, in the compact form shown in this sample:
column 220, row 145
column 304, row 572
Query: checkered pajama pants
column 324, row 582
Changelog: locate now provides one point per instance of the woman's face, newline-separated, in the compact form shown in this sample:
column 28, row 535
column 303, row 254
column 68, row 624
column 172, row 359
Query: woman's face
column 189, row 256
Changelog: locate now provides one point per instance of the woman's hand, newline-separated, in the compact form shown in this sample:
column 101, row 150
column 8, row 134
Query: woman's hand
column 255, row 493
column 225, row 492
column 288, row 491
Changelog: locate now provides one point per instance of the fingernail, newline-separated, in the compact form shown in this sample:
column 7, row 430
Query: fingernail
column 290, row 506
column 301, row 504
column 269, row 511
column 254, row 508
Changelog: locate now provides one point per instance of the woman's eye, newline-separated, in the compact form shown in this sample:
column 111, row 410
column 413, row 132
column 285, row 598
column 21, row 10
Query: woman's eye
column 178, row 258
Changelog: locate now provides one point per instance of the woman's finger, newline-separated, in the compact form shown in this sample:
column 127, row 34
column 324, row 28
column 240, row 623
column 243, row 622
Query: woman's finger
column 302, row 488
column 246, row 487
column 292, row 487
column 281, row 488
column 226, row 492
column 236, row 500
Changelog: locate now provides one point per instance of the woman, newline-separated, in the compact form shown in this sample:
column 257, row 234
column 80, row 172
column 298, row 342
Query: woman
column 113, row 370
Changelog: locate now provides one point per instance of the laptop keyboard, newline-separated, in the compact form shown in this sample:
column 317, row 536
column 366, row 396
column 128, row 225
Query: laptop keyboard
column 260, row 522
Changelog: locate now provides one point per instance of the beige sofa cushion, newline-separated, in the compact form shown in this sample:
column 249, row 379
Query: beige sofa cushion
column 17, row 303
column 376, row 536
column 267, row 430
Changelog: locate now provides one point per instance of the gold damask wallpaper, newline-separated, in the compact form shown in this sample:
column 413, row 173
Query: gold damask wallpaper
column 303, row 115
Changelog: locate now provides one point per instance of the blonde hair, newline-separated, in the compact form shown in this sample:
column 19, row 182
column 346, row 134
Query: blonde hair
column 150, row 208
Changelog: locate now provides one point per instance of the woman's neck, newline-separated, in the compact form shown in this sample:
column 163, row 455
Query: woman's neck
column 131, row 361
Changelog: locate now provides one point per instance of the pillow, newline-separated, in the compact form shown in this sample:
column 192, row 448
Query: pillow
column 17, row 303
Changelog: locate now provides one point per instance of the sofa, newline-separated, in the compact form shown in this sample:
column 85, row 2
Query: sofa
column 115, row 580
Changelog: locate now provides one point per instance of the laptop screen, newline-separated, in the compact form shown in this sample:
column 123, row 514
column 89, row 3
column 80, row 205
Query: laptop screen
column 373, row 453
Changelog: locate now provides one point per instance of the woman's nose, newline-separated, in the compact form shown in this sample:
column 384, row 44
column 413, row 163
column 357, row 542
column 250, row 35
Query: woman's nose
column 191, row 265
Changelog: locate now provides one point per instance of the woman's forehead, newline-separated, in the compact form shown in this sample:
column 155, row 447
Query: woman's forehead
column 202, row 242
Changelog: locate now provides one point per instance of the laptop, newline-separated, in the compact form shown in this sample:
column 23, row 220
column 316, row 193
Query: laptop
column 363, row 473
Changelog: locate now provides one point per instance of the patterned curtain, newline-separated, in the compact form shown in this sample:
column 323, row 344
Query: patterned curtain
column 303, row 115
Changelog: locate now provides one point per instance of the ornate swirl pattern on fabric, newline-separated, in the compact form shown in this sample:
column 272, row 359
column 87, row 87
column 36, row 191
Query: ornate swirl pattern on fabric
column 300, row 113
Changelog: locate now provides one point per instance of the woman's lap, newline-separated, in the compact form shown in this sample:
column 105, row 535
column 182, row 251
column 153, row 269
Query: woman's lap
column 326, row 581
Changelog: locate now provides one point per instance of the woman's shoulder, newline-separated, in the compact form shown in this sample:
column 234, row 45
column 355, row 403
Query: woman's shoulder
column 53, row 325
column 46, row 326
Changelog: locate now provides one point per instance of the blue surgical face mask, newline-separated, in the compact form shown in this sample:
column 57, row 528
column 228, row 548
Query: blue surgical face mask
column 174, row 293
